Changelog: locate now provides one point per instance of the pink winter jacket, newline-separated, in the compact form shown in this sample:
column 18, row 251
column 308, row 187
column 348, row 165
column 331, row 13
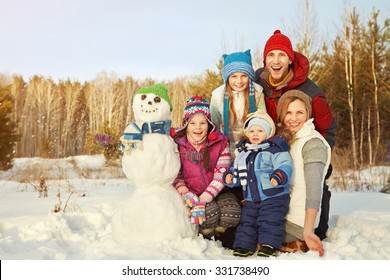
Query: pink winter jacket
column 193, row 176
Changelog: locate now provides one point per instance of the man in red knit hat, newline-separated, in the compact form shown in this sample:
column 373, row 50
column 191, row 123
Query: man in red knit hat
column 284, row 69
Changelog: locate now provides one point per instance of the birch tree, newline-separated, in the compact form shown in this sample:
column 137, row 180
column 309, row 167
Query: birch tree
column 376, row 42
column 350, row 29
column 305, row 34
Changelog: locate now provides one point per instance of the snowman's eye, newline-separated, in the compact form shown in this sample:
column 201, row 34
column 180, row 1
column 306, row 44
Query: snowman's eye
column 143, row 96
column 157, row 99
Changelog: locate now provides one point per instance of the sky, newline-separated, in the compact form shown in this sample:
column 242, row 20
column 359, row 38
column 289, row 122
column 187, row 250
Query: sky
column 358, row 243
column 163, row 40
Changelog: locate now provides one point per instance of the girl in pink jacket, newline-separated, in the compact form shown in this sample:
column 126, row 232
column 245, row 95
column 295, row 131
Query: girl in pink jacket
column 205, row 156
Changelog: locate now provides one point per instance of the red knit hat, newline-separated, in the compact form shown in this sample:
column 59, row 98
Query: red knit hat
column 281, row 42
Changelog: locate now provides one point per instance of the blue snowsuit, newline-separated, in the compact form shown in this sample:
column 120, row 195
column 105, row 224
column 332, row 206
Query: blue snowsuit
column 265, row 207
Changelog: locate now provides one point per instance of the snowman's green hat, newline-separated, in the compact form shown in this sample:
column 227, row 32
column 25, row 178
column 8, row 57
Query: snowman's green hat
column 159, row 90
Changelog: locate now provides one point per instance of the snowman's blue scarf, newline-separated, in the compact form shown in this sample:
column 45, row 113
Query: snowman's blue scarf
column 252, row 107
column 161, row 127
column 134, row 131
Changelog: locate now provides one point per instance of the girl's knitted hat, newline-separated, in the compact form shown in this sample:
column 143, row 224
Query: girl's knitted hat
column 158, row 89
column 237, row 62
column 281, row 42
column 196, row 105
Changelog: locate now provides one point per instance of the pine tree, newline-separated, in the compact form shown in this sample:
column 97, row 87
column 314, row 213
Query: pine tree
column 8, row 136
column 369, row 85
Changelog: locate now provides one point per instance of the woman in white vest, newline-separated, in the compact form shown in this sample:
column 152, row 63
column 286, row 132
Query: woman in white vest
column 311, row 157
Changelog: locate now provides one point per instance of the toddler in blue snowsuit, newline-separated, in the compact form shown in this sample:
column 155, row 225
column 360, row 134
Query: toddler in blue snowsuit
column 263, row 167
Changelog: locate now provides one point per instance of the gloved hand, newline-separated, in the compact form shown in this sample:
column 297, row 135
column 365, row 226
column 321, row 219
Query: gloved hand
column 279, row 176
column 198, row 213
column 190, row 199
column 103, row 139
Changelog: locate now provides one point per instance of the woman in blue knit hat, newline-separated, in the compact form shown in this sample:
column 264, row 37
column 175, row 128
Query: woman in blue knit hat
column 237, row 97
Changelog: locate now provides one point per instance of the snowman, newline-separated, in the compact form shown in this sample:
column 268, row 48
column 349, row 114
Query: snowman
column 154, row 211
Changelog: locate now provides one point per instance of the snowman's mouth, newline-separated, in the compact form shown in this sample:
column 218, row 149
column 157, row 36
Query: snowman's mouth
column 149, row 111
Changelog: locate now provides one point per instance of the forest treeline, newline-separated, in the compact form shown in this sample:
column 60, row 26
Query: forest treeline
column 43, row 118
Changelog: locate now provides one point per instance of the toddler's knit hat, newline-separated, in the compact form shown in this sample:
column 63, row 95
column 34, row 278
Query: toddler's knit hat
column 262, row 119
column 278, row 41
column 196, row 105
column 237, row 62
column 260, row 122
column 158, row 89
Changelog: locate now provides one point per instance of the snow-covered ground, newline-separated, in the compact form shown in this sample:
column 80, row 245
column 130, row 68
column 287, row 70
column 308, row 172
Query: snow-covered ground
column 90, row 192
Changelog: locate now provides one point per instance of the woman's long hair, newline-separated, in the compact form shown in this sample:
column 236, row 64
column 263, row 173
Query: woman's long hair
column 284, row 132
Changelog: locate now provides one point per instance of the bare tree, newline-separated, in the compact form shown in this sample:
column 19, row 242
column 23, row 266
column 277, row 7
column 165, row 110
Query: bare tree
column 374, row 37
column 350, row 25
column 18, row 91
column 304, row 32
column 108, row 100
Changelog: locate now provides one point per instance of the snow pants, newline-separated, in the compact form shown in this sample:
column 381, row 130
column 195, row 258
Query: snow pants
column 262, row 223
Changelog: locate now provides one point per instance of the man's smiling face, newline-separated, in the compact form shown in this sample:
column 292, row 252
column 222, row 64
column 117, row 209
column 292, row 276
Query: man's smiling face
column 277, row 63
